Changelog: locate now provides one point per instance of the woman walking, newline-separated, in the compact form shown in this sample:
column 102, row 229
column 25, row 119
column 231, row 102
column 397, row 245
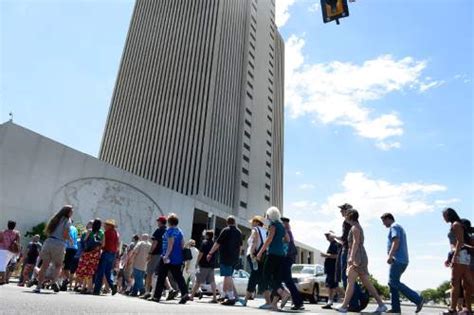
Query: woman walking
column 460, row 260
column 90, row 257
column 9, row 247
column 357, row 264
column 55, row 245
column 274, row 248
column 254, row 244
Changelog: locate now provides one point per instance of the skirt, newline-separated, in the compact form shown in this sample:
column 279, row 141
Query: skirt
column 88, row 264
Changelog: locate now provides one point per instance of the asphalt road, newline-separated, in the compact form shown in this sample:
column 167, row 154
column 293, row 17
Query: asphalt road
column 19, row 300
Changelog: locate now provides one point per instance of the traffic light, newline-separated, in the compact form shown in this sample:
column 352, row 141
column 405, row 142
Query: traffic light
column 334, row 10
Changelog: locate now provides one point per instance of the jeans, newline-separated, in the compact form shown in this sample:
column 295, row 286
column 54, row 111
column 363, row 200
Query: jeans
column 396, row 271
column 106, row 264
column 163, row 273
column 138, row 286
column 288, row 280
column 355, row 300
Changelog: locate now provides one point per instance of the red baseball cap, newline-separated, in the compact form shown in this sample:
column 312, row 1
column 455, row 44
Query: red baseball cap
column 162, row 219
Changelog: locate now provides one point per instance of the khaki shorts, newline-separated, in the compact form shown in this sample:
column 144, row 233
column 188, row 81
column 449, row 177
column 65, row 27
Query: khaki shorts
column 152, row 265
column 53, row 250
column 205, row 275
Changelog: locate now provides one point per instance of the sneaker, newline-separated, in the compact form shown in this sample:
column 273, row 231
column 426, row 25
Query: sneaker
column 297, row 307
column 114, row 289
column 229, row 302
column 172, row 295
column 242, row 301
column 420, row 305
column 184, row 299
column 381, row 309
column 55, row 287
column 37, row 290
column 64, row 285
column 327, row 307
column 146, row 296
column 265, row 307
column 341, row 309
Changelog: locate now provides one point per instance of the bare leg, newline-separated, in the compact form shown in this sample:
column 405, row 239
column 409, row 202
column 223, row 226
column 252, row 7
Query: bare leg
column 370, row 287
column 351, row 278
column 213, row 288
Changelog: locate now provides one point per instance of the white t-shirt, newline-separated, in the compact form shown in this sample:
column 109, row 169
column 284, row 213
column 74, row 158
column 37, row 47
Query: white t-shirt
column 260, row 238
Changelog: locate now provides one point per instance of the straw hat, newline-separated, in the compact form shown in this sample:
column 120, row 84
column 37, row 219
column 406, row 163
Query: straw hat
column 257, row 218
column 110, row 222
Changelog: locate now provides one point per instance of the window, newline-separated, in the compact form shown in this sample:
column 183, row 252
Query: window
column 270, row 81
column 268, row 164
column 245, row 171
column 270, row 63
column 248, row 111
column 249, row 95
column 250, row 85
column 248, row 123
column 271, row 72
column 247, row 134
column 246, row 158
column 267, row 186
column 253, row 36
column 253, row 19
column 271, row 47
column 269, row 118
column 272, row 36
column 268, row 175
column 269, row 153
column 253, row 27
column 270, row 99
column 270, row 109
column 245, row 184
column 269, row 143
column 250, row 74
column 254, row 6
column 252, row 65
column 267, row 198
column 246, row 146
column 251, row 55
column 252, row 45
column 269, row 133
column 269, row 90
column 243, row 204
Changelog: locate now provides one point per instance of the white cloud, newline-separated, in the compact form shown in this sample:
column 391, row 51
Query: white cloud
column 314, row 7
column 298, row 173
column 306, row 186
column 282, row 13
column 338, row 92
column 303, row 206
column 442, row 203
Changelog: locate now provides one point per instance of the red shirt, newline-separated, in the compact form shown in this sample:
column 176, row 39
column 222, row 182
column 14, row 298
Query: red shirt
column 111, row 241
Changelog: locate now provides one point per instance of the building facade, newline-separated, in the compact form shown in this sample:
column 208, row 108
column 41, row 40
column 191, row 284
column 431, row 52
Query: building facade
column 198, row 102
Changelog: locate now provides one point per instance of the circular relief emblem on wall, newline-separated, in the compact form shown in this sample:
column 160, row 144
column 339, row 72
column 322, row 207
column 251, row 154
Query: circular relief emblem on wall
column 134, row 211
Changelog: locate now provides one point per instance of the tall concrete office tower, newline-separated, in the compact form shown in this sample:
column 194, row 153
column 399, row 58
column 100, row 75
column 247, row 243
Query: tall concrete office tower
column 198, row 102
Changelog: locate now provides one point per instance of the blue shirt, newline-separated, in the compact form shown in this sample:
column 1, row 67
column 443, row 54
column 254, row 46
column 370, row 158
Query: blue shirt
column 73, row 234
column 401, row 254
column 176, row 255
column 276, row 246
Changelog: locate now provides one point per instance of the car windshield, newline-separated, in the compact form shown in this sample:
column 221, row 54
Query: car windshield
column 308, row 270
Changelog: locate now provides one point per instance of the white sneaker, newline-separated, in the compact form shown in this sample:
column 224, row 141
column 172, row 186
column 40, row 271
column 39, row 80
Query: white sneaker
column 341, row 309
column 381, row 309
column 37, row 289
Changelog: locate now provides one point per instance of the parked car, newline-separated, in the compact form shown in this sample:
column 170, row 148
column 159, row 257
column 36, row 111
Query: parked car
column 241, row 279
column 310, row 281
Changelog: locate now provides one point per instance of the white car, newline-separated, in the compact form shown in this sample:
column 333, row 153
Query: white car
column 241, row 279
column 310, row 281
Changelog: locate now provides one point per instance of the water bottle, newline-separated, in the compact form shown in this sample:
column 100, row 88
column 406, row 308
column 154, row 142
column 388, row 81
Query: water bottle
column 254, row 263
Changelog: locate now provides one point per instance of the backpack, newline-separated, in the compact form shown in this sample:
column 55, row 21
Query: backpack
column 92, row 242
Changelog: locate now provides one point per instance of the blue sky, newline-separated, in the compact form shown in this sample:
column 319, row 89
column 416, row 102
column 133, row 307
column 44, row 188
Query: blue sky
column 378, row 109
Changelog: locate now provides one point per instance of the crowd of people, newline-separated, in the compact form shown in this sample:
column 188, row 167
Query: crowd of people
column 94, row 260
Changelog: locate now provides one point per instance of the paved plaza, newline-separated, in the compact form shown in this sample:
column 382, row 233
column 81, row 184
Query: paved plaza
column 17, row 300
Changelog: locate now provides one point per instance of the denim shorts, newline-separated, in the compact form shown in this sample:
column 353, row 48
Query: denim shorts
column 226, row 270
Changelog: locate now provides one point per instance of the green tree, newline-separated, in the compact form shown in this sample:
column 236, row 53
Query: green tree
column 383, row 290
column 37, row 229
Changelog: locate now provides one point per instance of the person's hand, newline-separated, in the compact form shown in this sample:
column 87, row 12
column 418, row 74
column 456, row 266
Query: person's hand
column 259, row 256
column 390, row 260
column 209, row 257
column 447, row 263
column 324, row 255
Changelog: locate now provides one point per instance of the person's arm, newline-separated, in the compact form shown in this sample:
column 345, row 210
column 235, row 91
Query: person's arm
column 66, row 231
column 286, row 238
column 393, row 249
column 214, row 249
column 458, row 232
column 355, row 245
column 169, row 248
column 268, row 241
column 153, row 246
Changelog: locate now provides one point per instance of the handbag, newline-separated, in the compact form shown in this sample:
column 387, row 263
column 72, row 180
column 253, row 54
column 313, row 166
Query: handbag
column 187, row 255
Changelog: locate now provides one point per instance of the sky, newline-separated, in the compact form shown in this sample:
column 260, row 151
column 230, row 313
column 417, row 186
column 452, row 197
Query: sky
column 379, row 109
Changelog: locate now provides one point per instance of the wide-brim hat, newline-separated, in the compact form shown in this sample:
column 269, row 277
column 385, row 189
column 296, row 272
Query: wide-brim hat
column 110, row 222
column 257, row 218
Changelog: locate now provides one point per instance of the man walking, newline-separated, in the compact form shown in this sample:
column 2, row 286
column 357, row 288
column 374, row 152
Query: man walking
column 139, row 257
column 109, row 250
column 229, row 244
column 397, row 249
column 330, row 260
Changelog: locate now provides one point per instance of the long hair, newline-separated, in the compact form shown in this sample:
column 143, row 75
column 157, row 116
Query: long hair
column 54, row 221
column 451, row 215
